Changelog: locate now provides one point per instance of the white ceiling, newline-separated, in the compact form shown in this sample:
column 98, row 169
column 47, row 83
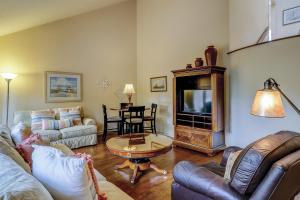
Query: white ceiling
column 16, row 15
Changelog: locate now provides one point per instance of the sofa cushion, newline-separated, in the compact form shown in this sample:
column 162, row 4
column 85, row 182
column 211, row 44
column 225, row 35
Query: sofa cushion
column 5, row 134
column 37, row 117
column 6, row 149
column 76, row 131
column 11, row 175
column 113, row 192
column 22, row 116
column 72, row 114
column 50, row 135
column 256, row 159
column 20, row 132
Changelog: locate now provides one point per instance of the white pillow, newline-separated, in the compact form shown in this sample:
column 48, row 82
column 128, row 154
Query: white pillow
column 230, row 161
column 65, row 177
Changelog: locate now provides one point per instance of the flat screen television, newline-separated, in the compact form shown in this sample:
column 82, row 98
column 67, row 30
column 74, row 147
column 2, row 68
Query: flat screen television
column 197, row 101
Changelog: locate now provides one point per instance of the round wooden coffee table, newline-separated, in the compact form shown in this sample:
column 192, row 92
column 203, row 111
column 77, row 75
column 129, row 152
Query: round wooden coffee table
column 138, row 149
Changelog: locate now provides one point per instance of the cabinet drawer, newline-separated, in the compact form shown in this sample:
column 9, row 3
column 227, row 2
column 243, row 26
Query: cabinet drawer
column 194, row 136
column 202, row 140
column 183, row 134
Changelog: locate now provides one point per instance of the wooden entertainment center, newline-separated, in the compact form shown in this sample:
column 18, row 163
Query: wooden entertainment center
column 198, row 109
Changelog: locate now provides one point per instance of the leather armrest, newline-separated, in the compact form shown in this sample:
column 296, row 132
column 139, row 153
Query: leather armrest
column 201, row 180
column 226, row 154
column 88, row 121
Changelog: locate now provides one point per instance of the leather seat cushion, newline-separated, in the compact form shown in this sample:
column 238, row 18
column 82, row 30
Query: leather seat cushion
column 257, row 158
column 215, row 168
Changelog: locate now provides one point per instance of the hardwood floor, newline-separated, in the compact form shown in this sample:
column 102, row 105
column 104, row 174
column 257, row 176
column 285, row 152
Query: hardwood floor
column 151, row 185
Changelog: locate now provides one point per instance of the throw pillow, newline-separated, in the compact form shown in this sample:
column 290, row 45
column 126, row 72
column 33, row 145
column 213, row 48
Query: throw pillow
column 38, row 116
column 50, row 124
column 73, row 114
column 25, row 149
column 20, row 132
column 65, row 123
column 230, row 161
column 65, row 177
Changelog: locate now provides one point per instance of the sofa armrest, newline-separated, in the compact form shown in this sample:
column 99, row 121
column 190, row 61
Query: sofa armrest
column 226, row 154
column 201, row 180
column 88, row 121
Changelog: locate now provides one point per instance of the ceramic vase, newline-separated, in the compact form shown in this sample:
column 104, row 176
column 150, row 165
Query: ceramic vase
column 188, row 66
column 211, row 55
column 198, row 62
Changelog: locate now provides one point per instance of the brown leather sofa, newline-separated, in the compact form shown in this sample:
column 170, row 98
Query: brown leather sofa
column 268, row 169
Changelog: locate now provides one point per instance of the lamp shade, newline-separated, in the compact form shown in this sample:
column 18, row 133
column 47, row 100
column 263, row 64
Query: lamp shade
column 129, row 89
column 9, row 76
column 268, row 103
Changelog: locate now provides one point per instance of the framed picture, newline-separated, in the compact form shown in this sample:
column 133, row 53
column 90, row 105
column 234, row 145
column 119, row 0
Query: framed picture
column 63, row 86
column 291, row 15
column 158, row 84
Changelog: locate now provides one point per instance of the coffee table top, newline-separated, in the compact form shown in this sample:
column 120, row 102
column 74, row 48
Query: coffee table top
column 138, row 147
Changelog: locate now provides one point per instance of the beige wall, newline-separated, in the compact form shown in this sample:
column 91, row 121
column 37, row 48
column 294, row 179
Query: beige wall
column 170, row 34
column 247, row 21
column 249, row 69
column 101, row 45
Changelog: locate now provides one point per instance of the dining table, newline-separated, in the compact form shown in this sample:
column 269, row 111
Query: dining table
column 122, row 114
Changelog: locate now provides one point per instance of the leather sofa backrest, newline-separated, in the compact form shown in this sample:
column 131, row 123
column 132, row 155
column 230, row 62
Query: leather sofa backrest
column 257, row 158
column 281, row 181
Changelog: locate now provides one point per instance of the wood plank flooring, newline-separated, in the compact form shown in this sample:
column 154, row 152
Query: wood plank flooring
column 151, row 185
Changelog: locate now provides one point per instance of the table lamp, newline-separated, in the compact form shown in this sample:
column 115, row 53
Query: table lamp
column 268, row 103
column 8, row 77
column 129, row 90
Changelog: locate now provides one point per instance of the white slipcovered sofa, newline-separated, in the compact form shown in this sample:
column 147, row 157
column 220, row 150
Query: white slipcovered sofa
column 73, row 137
column 17, row 183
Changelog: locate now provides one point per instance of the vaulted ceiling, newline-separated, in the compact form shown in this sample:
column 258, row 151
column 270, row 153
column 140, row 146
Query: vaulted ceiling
column 16, row 15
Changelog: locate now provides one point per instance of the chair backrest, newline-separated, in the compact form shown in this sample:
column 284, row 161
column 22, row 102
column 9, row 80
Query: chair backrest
column 104, row 112
column 153, row 110
column 257, row 158
column 125, row 105
column 136, row 112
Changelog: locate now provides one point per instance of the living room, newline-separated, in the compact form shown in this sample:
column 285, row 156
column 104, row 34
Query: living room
column 111, row 43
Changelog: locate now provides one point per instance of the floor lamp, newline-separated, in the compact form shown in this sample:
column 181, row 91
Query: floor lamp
column 8, row 77
column 268, row 103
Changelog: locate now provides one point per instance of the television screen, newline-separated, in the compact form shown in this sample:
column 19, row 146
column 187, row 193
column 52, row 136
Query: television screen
column 197, row 101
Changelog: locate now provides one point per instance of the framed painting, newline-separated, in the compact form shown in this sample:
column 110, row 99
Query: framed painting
column 158, row 84
column 63, row 86
column 291, row 15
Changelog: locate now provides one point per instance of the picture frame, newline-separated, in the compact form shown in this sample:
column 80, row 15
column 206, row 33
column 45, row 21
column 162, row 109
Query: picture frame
column 158, row 84
column 291, row 16
column 63, row 87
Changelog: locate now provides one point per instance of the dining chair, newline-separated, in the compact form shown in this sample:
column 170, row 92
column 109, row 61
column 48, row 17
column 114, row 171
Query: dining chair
column 152, row 119
column 136, row 118
column 107, row 120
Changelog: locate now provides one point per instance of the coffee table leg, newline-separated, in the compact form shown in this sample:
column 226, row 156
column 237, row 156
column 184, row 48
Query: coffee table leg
column 134, row 175
column 153, row 166
column 123, row 165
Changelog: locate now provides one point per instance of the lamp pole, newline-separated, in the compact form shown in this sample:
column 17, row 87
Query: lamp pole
column 7, row 100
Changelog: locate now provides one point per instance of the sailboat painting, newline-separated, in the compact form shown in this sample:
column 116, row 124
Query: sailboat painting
column 158, row 84
column 63, row 87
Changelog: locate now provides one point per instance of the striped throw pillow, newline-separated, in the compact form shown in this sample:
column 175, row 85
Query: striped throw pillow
column 50, row 124
column 65, row 123
column 38, row 116
column 72, row 114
